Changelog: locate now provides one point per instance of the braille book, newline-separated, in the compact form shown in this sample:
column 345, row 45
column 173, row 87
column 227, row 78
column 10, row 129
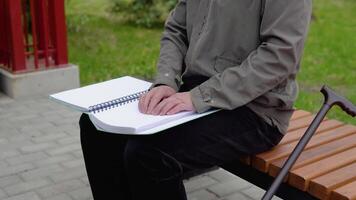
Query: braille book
column 113, row 107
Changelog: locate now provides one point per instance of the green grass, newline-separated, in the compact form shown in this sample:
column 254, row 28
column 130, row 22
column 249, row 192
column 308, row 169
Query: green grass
column 330, row 55
column 104, row 47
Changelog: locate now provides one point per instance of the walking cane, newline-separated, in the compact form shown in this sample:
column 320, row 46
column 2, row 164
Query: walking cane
column 330, row 99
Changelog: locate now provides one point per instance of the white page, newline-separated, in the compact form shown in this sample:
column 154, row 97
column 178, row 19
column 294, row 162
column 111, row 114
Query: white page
column 127, row 119
column 175, row 122
column 84, row 97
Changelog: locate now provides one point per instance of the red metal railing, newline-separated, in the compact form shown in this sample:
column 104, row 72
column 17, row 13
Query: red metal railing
column 32, row 35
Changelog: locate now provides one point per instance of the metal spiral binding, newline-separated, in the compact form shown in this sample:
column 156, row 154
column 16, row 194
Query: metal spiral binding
column 116, row 102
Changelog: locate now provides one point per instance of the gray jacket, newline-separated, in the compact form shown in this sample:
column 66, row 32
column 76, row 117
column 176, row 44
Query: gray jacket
column 250, row 49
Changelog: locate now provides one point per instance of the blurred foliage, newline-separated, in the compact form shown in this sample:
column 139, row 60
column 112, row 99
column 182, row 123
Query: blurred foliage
column 143, row 12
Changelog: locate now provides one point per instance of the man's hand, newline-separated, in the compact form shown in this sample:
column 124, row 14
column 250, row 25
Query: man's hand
column 174, row 104
column 151, row 99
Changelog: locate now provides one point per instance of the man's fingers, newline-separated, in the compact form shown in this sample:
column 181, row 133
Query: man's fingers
column 155, row 99
column 140, row 102
column 176, row 109
column 168, row 106
column 159, row 106
column 146, row 101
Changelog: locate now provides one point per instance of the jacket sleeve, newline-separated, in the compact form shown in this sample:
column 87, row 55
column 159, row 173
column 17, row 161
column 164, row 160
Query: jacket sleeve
column 283, row 30
column 174, row 44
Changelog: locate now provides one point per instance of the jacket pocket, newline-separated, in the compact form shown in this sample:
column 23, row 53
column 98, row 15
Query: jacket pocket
column 222, row 63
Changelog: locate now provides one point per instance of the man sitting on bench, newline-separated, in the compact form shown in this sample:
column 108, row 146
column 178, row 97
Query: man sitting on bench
column 239, row 55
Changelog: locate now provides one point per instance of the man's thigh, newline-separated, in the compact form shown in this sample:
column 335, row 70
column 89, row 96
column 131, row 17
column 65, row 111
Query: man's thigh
column 212, row 140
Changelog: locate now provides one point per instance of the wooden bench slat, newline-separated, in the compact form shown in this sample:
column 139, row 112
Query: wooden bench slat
column 316, row 153
column 301, row 177
column 322, row 186
column 300, row 114
column 346, row 192
column 297, row 134
column 262, row 161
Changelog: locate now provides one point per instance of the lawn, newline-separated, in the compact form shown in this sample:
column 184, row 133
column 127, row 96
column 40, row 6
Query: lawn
column 104, row 47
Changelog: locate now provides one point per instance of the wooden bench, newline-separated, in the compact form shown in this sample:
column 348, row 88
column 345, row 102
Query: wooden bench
column 325, row 170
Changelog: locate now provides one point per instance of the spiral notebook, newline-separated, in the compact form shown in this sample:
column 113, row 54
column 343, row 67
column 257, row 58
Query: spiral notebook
column 113, row 107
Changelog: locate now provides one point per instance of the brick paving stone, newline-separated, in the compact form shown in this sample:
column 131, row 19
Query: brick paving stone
column 26, row 186
column 25, row 158
column 201, row 195
column 226, row 188
column 70, row 114
column 256, row 193
column 3, row 164
column 221, row 175
column 2, row 194
column 69, row 140
column 36, row 147
column 14, row 144
column 23, row 117
column 7, row 115
column 19, row 138
column 64, row 149
column 60, row 197
column 70, row 128
column 3, row 141
column 74, row 163
column 65, row 121
column 59, row 188
column 73, row 173
column 37, row 126
column 85, row 180
column 51, row 137
column 5, row 99
column 26, row 196
column 9, row 180
column 198, row 182
column 38, row 120
column 81, row 193
column 55, row 159
column 9, row 153
column 51, row 112
column 8, row 132
column 78, row 153
column 237, row 196
column 51, row 130
column 41, row 172
column 52, row 117
column 7, row 171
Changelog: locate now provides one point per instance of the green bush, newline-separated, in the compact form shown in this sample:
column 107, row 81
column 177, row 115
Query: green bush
column 143, row 12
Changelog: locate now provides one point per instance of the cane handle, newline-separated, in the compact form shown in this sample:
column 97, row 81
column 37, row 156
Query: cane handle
column 332, row 98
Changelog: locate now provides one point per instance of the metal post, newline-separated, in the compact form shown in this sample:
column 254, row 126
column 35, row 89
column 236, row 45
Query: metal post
column 34, row 32
column 59, row 31
column 2, row 32
column 42, row 29
column 15, row 35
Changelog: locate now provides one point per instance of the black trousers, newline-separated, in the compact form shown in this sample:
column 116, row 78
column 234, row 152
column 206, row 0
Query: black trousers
column 126, row 167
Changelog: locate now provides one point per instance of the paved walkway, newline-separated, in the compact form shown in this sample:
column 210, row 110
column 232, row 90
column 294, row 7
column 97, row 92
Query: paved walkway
column 41, row 158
